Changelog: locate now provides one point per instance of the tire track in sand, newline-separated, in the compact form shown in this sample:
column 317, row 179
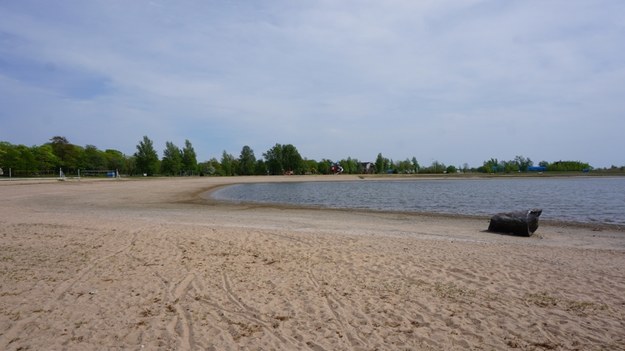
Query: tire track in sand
column 337, row 309
column 253, row 315
column 179, row 325
column 60, row 291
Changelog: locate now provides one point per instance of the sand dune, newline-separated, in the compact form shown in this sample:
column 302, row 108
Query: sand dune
column 151, row 265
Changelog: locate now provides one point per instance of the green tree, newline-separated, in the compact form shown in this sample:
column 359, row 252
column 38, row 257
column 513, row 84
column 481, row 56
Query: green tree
column 291, row 159
column 509, row 166
column 415, row 165
column 9, row 156
column 115, row 160
column 324, row 166
column 26, row 160
column 405, row 167
column 146, row 158
column 68, row 155
column 44, row 157
column 19, row 158
column 247, row 161
column 210, row 167
column 523, row 163
column 228, row 166
column 130, row 165
column 310, row 167
column 189, row 159
column 568, row 166
column 491, row 166
column 380, row 163
column 3, row 147
column 172, row 160
column 281, row 159
column 451, row 169
column 350, row 165
column 273, row 158
column 261, row 168
column 436, row 167
column 60, row 146
column 93, row 159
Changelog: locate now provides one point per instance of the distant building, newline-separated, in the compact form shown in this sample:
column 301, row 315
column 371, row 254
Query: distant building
column 537, row 169
column 336, row 168
column 367, row 167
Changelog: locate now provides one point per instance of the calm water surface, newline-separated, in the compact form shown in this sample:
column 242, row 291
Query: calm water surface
column 577, row 199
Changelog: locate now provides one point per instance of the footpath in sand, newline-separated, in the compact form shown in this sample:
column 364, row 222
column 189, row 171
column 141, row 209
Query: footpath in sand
column 151, row 265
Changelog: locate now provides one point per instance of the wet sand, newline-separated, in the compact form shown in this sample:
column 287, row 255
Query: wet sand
column 152, row 265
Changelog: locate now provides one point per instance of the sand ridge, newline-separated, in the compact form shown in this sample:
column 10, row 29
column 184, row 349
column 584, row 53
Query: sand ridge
column 149, row 264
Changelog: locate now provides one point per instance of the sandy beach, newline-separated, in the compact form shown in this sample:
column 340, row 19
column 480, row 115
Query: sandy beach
column 154, row 265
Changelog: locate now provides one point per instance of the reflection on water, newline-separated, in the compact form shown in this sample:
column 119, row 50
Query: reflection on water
column 578, row 199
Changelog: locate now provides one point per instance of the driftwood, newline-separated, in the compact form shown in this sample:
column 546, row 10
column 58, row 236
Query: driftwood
column 522, row 223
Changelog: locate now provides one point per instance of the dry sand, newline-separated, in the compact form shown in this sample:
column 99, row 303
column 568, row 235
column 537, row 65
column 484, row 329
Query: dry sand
column 149, row 265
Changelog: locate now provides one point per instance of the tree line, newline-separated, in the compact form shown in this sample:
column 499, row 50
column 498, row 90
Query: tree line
column 280, row 159
column 523, row 164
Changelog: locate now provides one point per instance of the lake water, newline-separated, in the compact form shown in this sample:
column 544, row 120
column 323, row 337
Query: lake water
column 576, row 199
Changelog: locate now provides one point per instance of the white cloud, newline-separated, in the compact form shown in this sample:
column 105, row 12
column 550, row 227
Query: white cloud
column 456, row 81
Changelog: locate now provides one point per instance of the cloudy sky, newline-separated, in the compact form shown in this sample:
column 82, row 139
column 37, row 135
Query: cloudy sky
column 455, row 81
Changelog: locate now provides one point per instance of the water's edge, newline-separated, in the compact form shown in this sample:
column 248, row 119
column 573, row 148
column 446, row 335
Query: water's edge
column 245, row 191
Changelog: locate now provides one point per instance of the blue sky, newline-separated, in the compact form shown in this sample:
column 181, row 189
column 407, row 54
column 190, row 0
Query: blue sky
column 453, row 81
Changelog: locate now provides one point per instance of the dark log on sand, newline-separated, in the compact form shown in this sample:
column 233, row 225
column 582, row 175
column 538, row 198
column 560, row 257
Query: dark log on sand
column 522, row 223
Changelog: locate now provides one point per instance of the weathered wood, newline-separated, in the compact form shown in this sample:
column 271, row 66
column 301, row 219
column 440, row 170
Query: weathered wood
column 522, row 223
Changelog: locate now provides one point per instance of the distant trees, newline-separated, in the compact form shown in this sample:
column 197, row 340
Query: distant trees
column 57, row 154
column 291, row 159
column 171, row 163
column 435, row 167
column 228, row 165
column 523, row 164
column 146, row 157
column 350, row 165
column 279, row 159
column 247, row 161
column 17, row 157
column 405, row 167
column 381, row 163
column 415, row 165
column 116, row 160
column 273, row 158
column 177, row 162
column 189, row 159
column 92, row 158
column 568, row 166
column 519, row 164
column 210, row 167
column 44, row 157
column 324, row 166
column 451, row 169
column 68, row 155
column 284, row 159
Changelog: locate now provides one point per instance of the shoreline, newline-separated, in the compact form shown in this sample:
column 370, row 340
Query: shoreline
column 207, row 197
column 203, row 195
column 151, row 265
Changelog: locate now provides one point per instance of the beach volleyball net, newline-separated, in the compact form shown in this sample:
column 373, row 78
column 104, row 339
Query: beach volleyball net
column 111, row 173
